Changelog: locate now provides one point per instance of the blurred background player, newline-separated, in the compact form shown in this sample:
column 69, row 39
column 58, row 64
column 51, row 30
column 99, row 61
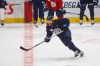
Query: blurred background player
column 2, row 6
column 91, row 4
column 38, row 8
column 55, row 6
column 61, row 27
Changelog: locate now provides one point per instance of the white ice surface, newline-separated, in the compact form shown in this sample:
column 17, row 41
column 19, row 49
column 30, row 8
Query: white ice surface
column 54, row 53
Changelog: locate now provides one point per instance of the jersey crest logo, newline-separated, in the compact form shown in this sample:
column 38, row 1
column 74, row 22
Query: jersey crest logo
column 57, row 31
column 53, row 4
column 51, row 30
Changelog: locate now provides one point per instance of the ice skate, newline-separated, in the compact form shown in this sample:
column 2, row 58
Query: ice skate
column 81, row 22
column 92, row 22
column 42, row 21
column 35, row 22
column 2, row 23
column 77, row 53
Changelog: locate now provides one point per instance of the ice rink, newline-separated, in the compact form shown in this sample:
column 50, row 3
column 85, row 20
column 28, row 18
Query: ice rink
column 54, row 53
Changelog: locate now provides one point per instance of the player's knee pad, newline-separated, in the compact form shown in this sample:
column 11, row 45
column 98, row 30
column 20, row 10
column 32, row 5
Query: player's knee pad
column 67, row 34
column 70, row 44
column 67, row 41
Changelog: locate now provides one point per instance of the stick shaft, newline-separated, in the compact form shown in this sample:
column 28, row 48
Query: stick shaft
column 78, row 14
column 36, row 45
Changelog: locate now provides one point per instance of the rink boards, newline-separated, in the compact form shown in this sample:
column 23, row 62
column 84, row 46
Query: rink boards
column 16, row 13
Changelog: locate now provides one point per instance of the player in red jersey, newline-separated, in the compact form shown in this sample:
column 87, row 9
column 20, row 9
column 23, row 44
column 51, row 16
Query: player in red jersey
column 55, row 6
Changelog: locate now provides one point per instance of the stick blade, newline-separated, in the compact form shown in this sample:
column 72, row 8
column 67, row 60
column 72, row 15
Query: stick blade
column 36, row 26
column 23, row 48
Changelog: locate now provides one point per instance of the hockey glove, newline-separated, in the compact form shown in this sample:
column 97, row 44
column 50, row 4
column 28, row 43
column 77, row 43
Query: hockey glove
column 47, row 39
column 95, row 2
column 63, row 11
column 80, row 5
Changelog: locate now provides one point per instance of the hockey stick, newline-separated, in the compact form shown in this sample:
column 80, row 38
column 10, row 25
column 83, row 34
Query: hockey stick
column 78, row 14
column 38, row 43
column 16, row 3
column 13, row 4
column 31, row 47
column 36, row 26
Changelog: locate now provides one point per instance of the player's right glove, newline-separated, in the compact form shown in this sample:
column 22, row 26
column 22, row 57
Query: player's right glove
column 81, row 5
column 47, row 39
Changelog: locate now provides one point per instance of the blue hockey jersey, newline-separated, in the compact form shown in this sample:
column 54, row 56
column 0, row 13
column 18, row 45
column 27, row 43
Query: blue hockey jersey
column 61, row 24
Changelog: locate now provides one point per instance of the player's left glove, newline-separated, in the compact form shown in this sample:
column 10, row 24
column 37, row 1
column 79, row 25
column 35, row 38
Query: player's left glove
column 96, row 2
column 47, row 39
column 63, row 11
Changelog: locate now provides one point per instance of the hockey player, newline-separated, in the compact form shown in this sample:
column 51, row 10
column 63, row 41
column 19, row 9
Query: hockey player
column 38, row 8
column 2, row 6
column 54, row 6
column 91, row 4
column 61, row 28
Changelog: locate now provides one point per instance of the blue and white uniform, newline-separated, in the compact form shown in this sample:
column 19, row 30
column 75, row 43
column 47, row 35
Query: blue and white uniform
column 65, row 36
